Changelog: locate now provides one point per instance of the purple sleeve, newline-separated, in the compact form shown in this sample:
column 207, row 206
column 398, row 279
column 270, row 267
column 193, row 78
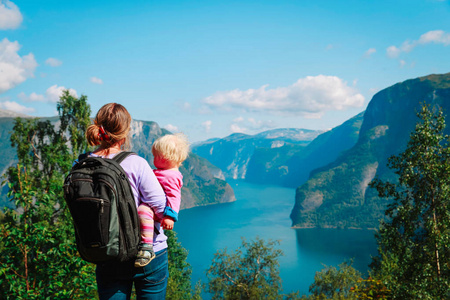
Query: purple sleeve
column 146, row 187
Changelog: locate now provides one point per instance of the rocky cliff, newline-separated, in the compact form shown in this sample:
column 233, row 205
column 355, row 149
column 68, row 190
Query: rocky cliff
column 203, row 183
column 337, row 195
column 235, row 154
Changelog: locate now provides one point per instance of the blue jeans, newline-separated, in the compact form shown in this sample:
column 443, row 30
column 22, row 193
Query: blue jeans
column 115, row 280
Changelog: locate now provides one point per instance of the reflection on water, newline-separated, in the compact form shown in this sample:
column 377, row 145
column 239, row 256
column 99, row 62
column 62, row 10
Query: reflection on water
column 352, row 244
column 263, row 211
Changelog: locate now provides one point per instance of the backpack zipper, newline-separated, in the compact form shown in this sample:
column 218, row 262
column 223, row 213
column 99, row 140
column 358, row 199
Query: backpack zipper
column 102, row 201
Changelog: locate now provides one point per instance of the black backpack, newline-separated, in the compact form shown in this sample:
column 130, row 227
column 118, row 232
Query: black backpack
column 103, row 209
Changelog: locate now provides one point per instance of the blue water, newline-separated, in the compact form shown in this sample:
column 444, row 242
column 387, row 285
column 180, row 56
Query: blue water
column 263, row 211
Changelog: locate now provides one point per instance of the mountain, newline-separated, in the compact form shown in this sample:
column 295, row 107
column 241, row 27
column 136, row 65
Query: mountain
column 203, row 183
column 291, row 165
column 12, row 114
column 233, row 153
column 8, row 154
column 337, row 195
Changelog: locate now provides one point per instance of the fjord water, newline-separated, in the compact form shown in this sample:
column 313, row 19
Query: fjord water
column 263, row 211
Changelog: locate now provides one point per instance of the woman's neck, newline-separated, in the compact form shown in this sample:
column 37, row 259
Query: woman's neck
column 106, row 151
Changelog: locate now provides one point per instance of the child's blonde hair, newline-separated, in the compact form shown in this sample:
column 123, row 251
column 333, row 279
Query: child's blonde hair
column 171, row 147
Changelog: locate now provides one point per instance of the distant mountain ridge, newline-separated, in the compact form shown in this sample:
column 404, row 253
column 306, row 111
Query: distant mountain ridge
column 233, row 153
column 12, row 114
column 291, row 166
column 279, row 157
column 337, row 195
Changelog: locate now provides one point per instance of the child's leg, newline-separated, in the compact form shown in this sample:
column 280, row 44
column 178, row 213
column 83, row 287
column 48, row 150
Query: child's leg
column 146, row 218
column 145, row 253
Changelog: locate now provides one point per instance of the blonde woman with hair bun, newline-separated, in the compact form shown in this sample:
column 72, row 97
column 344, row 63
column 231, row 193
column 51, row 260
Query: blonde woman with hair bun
column 110, row 133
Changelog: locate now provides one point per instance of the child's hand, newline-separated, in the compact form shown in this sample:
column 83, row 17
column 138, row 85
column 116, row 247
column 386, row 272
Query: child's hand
column 167, row 223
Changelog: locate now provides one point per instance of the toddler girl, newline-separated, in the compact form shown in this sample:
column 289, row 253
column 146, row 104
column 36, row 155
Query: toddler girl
column 169, row 152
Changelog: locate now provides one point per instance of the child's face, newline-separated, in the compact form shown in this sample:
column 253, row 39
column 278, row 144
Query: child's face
column 162, row 163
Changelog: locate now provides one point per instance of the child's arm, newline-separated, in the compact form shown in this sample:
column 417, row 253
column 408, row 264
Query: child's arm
column 171, row 183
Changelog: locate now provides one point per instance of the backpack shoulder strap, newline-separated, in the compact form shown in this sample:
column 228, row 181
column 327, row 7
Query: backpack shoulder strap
column 121, row 156
column 83, row 156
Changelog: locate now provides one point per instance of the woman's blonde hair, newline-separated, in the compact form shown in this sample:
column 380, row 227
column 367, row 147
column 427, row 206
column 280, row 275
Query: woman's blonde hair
column 173, row 148
column 111, row 125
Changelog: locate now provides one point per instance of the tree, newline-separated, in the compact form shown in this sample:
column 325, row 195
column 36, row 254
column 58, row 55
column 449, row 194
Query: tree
column 370, row 288
column 414, row 257
column 335, row 283
column 39, row 258
column 179, row 285
column 251, row 272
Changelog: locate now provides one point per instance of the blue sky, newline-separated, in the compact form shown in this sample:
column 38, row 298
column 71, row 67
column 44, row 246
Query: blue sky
column 211, row 68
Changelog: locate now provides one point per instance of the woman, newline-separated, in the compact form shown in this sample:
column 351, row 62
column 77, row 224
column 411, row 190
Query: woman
column 110, row 132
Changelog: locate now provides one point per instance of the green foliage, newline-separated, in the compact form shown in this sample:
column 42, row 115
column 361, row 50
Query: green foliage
column 369, row 289
column 251, row 272
column 39, row 258
column 335, row 283
column 179, row 285
column 414, row 260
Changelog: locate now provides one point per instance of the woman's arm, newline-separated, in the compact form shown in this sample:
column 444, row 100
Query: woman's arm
column 150, row 191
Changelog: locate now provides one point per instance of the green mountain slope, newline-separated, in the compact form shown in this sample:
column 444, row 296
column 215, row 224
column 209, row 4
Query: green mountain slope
column 337, row 195
column 201, row 185
column 242, row 156
column 290, row 165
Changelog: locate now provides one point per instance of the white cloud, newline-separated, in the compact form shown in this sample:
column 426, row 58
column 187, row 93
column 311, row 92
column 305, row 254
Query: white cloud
column 260, row 124
column 14, row 106
column 96, row 80
column 14, row 69
column 393, row 52
column 243, row 125
column 53, row 62
column 310, row 95
column 235, row 128
column 186, row 106
column 52, row 95
column 402, row 63
column 54, row 92
column 369, row 52
column 10, row 16
column 434, row 36
column 207, row 125
column 171, row 128
column 32, row 98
